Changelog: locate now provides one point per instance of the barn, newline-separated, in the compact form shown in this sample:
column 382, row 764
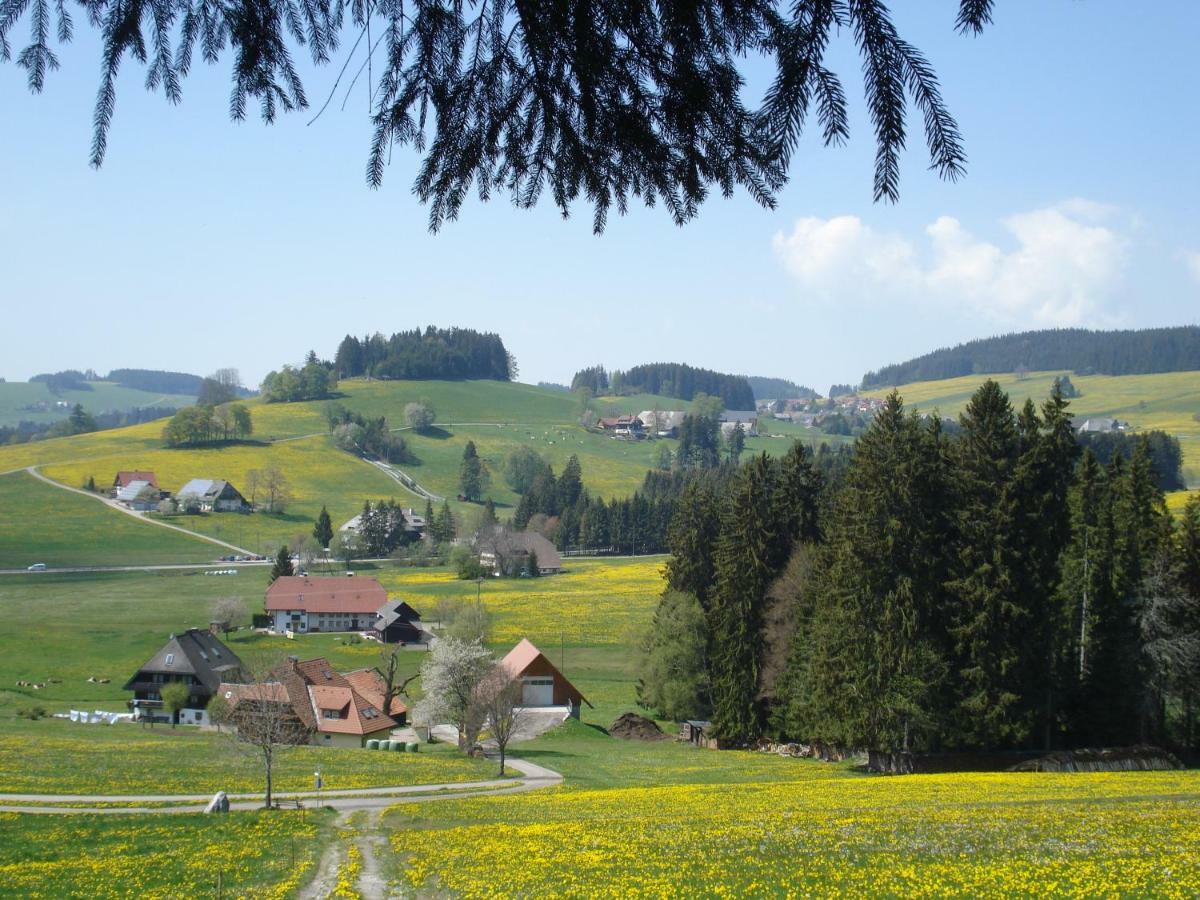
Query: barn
column 542, row 684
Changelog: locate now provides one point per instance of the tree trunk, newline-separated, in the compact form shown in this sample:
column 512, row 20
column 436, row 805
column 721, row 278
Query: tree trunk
column 501, row 760
column 267, row 768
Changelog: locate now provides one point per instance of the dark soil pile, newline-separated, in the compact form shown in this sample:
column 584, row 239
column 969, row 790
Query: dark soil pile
column 632, row 727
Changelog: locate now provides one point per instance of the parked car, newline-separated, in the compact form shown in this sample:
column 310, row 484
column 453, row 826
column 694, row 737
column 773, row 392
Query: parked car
column 37, row 567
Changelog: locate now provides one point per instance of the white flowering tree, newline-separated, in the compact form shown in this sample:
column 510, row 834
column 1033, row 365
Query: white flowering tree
column 450, row 675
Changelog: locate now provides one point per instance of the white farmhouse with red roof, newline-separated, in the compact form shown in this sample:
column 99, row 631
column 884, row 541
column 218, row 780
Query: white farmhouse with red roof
column 303, row 604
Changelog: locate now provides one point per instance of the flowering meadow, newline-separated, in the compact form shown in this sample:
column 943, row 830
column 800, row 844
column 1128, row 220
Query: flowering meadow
column 160, row 856
column 978, row 835
column 594, row 602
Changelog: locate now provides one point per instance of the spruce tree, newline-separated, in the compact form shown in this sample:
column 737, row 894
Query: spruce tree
column 747, row 558
column 471, row 474
column 570, row 485
column 870, row 650
column 691, row 537
column 283, row 565
column 323, row 530
column 991, row 615
column 446, row 528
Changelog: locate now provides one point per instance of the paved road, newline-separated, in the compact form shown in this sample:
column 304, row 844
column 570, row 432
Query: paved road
column 533, row 777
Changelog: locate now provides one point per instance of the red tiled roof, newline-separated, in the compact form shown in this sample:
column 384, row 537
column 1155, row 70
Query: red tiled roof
column 369, row 685
column 337, row 594
column 124, row 478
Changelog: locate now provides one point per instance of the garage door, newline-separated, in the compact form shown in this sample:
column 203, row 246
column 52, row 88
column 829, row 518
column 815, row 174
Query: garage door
column 537, row 692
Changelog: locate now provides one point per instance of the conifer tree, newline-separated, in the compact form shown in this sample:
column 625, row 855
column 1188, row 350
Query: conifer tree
column 991, row 613
column 446, row 528
column 799, row 502
column 747, row 557
column 870, row 651
column 323, row 530
column 691, row 537
column 570, row 485
column 472, row 477
column 283, row 565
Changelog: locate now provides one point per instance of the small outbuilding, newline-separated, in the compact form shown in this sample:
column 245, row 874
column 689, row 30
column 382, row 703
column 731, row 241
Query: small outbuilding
column 542, row 684
column 398, row 623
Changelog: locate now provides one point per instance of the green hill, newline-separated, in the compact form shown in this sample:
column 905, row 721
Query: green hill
column 16, row 398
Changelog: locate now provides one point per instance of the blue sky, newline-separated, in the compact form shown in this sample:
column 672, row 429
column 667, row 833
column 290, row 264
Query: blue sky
column 202, row 243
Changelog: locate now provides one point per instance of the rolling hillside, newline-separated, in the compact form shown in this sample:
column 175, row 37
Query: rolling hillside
column 14, row 396
column 1168, row 402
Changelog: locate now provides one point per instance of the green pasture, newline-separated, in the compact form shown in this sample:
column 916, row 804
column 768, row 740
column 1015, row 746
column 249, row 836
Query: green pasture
column 42, row 523
column 104, row 396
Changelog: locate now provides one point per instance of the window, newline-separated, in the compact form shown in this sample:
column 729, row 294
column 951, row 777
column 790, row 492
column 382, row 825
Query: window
column 170, row 659
column 332, row 714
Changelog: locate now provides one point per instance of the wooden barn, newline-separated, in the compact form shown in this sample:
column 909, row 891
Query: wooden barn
column 542, row 684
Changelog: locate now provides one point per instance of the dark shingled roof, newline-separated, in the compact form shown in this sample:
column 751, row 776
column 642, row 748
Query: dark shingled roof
column 194, row 652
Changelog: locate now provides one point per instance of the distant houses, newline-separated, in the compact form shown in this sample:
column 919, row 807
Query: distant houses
column 732, row 418
column 662, row 422
column 398, row 623
column 126, row 478
column 1101, row 426
column 622, row 426
column 324, row 706
column 195, row 658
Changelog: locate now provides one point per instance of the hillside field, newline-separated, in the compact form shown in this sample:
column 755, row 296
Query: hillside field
column 81, row 531
column 1168, row 402
column 104, row 396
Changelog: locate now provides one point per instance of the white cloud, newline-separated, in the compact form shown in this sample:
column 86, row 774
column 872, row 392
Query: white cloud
column 1060, row 269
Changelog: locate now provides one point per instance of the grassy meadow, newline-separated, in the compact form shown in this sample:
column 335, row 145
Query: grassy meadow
column 41, row 523
column 671, row 820
column 258, row 854
column 104, row 396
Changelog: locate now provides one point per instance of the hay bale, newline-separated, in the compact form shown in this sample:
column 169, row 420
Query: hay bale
column 413, row 747
column 373, row 744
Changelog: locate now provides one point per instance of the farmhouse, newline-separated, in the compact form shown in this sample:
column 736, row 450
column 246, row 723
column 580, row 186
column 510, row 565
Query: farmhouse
column 623, row 426
column 139, row 495
column 662, row 422
column 1101, row 425
column 302, row 603
column 126, row 478
column 541, row 683
column 398, row 623
column 212, row 495
column 747, row 418
column 195, row 658
column 332, row 709
column 504, row 552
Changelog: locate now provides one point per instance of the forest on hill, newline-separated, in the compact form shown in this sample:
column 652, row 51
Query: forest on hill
column 1138, row 352
column 778, row 389
column 677, row 380
column 443, row 353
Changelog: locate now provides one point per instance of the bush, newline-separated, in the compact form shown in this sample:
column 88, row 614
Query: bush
column 33, row 712
column 467, row 564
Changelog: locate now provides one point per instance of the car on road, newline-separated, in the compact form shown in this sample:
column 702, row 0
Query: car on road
column 37, row 567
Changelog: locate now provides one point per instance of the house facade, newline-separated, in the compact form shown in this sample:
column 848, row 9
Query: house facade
column 212, row 495
column 125, row 478
column 328, row 708
column 196, row 658
column 542, row 684
column 304, row 604
column 139, row 495
column 747, row 418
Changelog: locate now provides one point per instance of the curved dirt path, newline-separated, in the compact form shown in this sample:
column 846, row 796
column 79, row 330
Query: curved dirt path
column 533, row 778
column 112, row 504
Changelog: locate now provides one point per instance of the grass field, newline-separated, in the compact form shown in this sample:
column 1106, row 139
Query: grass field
column 317, row 473
column 103, row 397
column 81, row 532
column 594, row 602
column 1168, row 402
column 260, row 854
column 739, row 824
